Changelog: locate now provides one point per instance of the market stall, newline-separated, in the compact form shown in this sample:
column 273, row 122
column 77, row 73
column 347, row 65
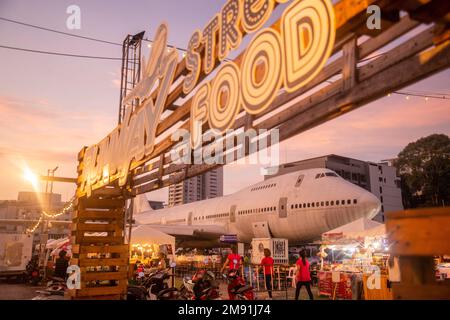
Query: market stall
column 147, row 243
column 354, row 260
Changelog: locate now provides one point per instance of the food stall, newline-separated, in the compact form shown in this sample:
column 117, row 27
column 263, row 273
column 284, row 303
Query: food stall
column 147, row 243
column 354, row 261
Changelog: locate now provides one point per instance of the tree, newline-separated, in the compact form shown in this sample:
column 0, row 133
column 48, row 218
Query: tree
column 424, row 167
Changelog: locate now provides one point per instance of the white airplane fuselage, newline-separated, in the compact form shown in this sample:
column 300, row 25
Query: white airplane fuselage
column 298, row 206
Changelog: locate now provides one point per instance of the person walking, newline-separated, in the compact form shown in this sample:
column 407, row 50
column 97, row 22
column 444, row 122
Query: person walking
column 233, row 261
column 61, row 265
column 303, row 276
column 267, row 264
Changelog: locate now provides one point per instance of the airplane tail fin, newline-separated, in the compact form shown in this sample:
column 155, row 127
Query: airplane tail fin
column 141, row 204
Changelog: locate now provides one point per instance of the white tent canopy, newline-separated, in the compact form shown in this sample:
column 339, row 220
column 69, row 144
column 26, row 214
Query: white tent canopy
column 146, row 234
column 359, row 229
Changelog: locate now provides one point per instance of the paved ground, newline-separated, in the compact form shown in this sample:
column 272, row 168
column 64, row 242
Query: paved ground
column 15, row 291
column 278, row 295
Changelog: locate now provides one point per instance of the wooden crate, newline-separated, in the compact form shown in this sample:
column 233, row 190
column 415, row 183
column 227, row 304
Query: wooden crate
column 416, row 236
column 98, row 245
column 384, row 293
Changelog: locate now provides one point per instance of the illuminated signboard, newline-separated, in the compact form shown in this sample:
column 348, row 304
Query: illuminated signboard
column 287, row 55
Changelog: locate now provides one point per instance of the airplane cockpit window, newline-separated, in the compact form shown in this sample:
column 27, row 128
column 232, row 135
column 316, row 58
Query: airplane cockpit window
column 326, row 174
column 331, row 174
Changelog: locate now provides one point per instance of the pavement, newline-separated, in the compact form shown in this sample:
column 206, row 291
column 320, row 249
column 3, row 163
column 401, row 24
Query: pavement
column 283, row 294
column 17, row 291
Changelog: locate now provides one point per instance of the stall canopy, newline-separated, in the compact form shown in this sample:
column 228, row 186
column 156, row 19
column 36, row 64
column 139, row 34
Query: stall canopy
column 56, row 245
column 360, row 228
column 146, row 234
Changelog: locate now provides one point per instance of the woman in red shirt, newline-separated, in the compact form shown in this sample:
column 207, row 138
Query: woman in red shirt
column 303, row 276
column 267, row 264
column 233, row 260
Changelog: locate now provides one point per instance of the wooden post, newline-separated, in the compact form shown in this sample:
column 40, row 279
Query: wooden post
column 350, row 51
column 416, row 236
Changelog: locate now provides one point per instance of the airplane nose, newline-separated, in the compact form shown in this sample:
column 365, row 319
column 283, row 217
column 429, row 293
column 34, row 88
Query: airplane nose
column 370, row 204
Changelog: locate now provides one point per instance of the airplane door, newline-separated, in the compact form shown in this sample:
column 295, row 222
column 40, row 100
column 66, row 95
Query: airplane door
column 233, row 214
column 282, row 207
column 189, row 219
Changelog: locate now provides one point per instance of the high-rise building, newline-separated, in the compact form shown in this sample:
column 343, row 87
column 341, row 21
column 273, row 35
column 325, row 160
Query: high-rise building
column 379, row 178
column 205, row 186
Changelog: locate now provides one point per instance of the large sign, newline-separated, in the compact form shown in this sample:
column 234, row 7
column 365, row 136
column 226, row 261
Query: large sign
column 285, row 56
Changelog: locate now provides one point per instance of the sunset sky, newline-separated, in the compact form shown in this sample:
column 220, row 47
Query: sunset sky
column 52, row 106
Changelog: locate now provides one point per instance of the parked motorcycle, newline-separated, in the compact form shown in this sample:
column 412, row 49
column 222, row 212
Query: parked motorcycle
column 33, row 272
column 237, row 288
column 54, row 291
column 205, row 286
column 154, row 287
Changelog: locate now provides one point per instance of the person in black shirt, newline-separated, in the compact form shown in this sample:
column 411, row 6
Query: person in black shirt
column 61, row 265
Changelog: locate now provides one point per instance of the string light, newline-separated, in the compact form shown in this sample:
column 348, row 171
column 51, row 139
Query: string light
column 426, row 97
column 63, row 211
column 35, row 226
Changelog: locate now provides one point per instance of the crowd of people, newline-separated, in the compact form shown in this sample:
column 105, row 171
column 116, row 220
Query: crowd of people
column 302, row 274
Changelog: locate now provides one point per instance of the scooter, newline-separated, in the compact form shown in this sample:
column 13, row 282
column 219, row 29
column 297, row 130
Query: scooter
column 187, row 289
column 237, row 288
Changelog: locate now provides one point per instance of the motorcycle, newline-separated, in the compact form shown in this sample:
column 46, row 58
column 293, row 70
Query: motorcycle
column 237, row 288
column 54, row 291
column 205, row 286
column 33, row 272
column 153, row 287
column 187, row 289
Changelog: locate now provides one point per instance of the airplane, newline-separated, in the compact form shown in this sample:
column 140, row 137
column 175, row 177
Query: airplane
column 298, row 206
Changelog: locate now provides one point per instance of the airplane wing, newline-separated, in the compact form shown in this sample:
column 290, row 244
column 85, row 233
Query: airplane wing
column 197, row 231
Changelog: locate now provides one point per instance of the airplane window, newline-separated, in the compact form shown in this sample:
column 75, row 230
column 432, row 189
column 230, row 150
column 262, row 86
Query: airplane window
column 296, row 206
column 331, row 174
column 327, row 203
column 312, row 204
column 355, row 201
column 332, row 203
column 292, row 206
column 322, row 203
column 349, row 201
column 309, row 204
column 337, row 202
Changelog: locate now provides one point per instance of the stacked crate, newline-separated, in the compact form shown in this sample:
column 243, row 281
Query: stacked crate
column 98, row 245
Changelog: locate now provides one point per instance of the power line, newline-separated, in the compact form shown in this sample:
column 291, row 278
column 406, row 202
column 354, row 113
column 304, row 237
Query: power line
column 74, row 35
column 60, row 32
column 60, row 53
